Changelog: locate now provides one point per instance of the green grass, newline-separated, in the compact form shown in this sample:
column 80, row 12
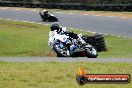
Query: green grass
column 28, row 39
column 22, row 39
column 56, row 74
column 117, row 47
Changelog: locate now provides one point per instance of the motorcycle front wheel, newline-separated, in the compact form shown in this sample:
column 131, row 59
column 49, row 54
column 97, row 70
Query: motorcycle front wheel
column 92, row 52
column 61, row 51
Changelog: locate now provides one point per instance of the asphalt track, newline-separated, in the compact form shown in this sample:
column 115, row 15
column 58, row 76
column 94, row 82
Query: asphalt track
column 49, row 59
column 100, row 24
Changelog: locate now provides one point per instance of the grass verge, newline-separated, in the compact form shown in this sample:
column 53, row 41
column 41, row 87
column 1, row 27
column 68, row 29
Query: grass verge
column 28, row 39
column 56, row 74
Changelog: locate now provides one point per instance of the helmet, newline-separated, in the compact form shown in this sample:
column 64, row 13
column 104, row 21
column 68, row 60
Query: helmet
column 44, row 10
column 55, row 26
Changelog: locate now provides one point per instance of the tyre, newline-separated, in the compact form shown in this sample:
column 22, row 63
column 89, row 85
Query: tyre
column 61, row 52
column 100, row 41
column 98, row 37
column 97, row 41
column 44, row 19
column 53, row 19
column 81, row 80
column 101, row 46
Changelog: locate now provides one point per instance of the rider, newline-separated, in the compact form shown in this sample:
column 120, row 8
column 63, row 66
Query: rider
column 60, row 30
column 55, row 26
column 44, row 13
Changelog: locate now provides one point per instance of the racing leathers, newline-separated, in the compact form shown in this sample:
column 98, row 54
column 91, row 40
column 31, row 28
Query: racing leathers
column 64, row 31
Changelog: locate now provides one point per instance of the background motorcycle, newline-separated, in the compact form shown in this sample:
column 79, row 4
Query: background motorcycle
column 48, row 17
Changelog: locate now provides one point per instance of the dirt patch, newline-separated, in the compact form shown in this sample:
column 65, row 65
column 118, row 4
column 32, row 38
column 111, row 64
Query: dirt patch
column 49, row 53
column 115, row 14
column 25, row 26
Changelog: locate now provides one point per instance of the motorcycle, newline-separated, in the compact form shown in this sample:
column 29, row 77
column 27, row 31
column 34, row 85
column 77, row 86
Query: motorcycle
column 48, row 16
column 66, row 46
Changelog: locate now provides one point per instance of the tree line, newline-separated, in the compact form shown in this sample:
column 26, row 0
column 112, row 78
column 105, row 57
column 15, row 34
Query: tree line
column 73, row 1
